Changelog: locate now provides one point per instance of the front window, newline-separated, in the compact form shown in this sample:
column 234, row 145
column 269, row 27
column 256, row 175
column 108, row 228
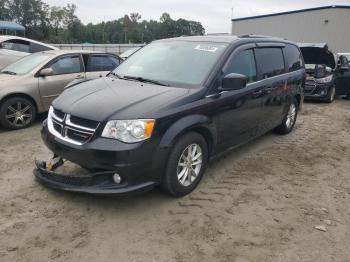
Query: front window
column 67, row 65
column 176, row 62
column 243, row 63
column 26, row 64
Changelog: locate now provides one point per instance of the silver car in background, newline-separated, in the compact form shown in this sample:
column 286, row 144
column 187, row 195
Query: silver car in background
column 28, row 86
column 13, row 48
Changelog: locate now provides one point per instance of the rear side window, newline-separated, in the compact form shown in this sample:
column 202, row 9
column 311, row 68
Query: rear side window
column 270, row 61
column 243, row 63
column 101, row 63
column 16, row 45
column 293, row 58
column 34, row 47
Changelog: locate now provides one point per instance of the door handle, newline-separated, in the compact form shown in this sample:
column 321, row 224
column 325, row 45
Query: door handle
column 269, row 89
column 258, row 93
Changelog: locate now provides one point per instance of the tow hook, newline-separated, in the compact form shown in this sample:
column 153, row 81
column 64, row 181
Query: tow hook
column 55, row 162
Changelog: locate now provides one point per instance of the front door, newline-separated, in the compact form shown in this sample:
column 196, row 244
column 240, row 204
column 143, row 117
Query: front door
column 241, row 111
column 342, row 82
column 65, row 69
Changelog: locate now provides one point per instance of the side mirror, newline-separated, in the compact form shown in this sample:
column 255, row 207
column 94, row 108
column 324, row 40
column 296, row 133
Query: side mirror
column 343, row 63
column 234, row 81
column 46, row 72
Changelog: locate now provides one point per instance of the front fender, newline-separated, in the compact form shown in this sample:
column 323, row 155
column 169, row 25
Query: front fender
column 185, row 124
column 200, row 123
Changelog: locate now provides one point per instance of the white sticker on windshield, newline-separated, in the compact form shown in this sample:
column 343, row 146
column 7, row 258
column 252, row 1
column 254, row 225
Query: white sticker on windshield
column 206, row 48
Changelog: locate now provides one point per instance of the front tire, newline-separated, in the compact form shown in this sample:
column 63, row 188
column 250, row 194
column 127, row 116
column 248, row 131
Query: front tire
column 289, row 119
column 186, row 165
column 331, row 95
column 17, row 113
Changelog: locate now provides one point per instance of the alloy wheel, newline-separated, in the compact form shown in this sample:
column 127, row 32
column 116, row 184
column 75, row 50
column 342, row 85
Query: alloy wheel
column 291, row 115
column 189, row 165
column 19, row 114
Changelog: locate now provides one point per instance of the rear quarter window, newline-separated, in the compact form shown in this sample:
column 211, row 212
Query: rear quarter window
column 34, row 48
column 293, row 58
column 16, row 45
column 270, row 61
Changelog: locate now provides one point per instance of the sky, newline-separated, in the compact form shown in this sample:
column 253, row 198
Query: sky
column 215, row 15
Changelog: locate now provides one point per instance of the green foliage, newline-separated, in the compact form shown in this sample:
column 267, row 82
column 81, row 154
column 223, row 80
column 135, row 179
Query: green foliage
column 58, row 24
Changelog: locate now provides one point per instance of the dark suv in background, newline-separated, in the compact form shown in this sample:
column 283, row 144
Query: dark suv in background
column 162, row 114
column 327, row 75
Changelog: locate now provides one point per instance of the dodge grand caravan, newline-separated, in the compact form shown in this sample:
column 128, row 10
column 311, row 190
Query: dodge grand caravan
column 162, row 114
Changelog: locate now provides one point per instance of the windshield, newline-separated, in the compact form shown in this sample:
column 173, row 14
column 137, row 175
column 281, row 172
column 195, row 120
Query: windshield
column 174, row 62
column 26, row 64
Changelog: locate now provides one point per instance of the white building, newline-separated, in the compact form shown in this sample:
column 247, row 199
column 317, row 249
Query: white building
column 328, row 24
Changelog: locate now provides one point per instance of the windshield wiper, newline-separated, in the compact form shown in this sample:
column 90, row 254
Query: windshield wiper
column 9, row 72
column 144, row 80
column 113, row 74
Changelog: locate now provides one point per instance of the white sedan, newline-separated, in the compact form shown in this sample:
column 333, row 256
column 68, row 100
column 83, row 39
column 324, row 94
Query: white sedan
column 13, row 48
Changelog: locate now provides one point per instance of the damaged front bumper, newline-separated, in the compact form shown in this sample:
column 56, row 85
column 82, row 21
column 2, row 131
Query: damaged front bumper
column 317, row 91
column 99, row 183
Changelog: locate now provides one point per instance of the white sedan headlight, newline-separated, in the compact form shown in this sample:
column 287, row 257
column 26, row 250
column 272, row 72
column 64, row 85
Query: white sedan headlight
column 129, row 131
column 324, row 80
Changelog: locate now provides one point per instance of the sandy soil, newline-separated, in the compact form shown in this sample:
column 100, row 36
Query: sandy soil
column 258, row 203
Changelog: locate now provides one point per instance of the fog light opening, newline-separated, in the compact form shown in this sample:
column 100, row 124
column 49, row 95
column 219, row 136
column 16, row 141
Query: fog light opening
column 117, row 178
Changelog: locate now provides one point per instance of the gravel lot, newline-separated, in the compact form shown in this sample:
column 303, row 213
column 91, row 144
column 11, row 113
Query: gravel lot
column 260, row 202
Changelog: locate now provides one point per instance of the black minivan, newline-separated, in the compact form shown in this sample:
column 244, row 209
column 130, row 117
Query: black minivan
column 162, row 114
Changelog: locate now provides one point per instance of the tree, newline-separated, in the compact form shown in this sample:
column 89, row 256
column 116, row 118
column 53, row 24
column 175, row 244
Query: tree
column 57, row 15
column 4, row 11
column 135, row 17
column 59, row 24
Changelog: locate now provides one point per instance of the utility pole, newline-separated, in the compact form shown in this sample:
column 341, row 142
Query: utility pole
column 231, row 21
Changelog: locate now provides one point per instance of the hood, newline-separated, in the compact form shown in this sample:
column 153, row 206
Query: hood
column 317, row 54
column 110, row 98
column 8, row 57
column 5, row 79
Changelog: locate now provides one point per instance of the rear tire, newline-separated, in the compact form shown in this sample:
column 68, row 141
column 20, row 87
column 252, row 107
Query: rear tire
column 289, row 119
column 17, row 113
column 331, row 95
column 186, row 165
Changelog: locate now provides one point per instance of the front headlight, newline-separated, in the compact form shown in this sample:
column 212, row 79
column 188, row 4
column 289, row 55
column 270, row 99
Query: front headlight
column 324, row 80
column 129, row 131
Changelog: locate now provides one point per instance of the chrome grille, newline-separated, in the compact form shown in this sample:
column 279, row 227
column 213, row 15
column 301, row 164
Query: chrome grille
column 70, row 128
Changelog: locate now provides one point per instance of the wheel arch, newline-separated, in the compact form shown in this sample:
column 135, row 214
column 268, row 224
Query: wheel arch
column 22, row 95
column 298, row 97
column 194, row 123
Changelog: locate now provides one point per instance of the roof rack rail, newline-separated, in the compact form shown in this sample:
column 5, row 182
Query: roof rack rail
column 254, row 36
column 260, row 36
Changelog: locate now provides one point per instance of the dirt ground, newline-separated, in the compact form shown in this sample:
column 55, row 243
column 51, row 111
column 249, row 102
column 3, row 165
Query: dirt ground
column 260, row 202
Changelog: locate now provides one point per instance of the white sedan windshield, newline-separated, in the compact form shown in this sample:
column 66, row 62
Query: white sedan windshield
column 26, row 64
